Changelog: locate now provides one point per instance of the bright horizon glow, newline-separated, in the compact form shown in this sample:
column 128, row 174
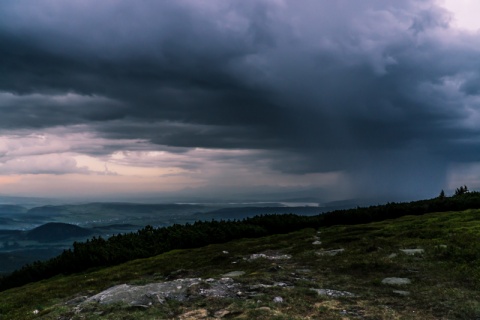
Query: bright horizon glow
column 465, row 13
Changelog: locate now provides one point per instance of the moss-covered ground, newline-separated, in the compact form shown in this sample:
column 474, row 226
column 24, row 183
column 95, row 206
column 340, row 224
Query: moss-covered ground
column 445, row 279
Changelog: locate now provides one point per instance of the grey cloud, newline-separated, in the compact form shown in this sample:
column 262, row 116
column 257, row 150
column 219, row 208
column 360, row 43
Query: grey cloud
column 47, row 164
column 431, row 18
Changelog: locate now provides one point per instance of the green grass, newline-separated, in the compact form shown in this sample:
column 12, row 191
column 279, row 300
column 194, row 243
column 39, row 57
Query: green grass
column 445, row 279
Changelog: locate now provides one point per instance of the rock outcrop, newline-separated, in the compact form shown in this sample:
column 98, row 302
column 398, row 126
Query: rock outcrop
column 158, row 293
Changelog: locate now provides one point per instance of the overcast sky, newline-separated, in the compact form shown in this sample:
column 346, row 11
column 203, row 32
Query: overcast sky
column 348, row 98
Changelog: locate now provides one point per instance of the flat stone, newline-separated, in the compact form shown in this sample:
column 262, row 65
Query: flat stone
column 316, row 242
column 412, row 252
column 329, row 252
column 391, row 256
column 221, row 313
column 396, row 281
column 269, row 257
column 276, row 284
column 333, row 293
column 402, row 293
column 260, row 286
column 280, row 284
column 234, row 274
column 194, row 314
column 266, row 309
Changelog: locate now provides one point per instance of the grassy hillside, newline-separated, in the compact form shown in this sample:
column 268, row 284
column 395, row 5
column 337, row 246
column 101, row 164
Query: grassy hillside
column 445, row 277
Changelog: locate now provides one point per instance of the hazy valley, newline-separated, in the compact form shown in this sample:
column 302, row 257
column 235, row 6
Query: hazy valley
column 42, row 232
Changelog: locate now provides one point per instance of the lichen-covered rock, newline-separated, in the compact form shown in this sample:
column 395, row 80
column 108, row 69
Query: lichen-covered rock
column 157, row 293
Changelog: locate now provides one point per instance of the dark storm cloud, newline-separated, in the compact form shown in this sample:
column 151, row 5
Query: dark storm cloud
column 370, row 87
column 180, row 74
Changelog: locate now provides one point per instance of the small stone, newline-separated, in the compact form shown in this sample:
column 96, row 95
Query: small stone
column 257, row 256
column 280, row 284
column 393, row 255
column 316, row 242
column 412, row 252
column 234, row 274
column 225, row 252
column 223, row 280
column 278, row 300
column 396, row 281
column 401, row 292
column 329, row 252
column 260, row 286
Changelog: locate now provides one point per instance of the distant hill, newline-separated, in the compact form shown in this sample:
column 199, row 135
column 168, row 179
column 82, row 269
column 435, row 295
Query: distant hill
column 111, row 208
column 245, row 212
column 55, row 231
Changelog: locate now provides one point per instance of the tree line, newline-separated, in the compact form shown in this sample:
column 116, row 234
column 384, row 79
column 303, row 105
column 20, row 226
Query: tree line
column 150, row 241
